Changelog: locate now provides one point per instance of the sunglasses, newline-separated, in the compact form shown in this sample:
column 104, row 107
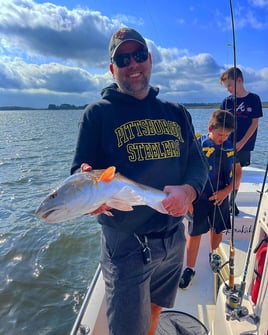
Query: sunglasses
column 124, row 60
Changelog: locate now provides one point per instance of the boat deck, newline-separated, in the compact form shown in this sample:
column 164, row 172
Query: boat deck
column 200, row 298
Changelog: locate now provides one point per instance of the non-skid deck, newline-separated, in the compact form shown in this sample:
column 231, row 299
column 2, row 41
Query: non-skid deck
column 199, row 299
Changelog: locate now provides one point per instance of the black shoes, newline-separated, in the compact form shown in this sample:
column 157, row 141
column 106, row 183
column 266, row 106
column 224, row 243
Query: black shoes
column 186, row 278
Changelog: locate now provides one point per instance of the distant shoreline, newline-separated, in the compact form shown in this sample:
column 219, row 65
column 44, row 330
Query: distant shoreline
column 69, row 107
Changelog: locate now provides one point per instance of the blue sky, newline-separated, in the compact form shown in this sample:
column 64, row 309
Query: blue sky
column 57, row 52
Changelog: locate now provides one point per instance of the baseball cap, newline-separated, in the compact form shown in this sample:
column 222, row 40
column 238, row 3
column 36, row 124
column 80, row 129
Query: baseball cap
column 123, row 35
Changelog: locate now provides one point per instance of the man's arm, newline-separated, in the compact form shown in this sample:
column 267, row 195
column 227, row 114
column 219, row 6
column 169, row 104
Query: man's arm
column 180, row 197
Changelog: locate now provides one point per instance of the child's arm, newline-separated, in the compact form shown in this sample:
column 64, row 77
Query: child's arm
column 220, row 195
column 251, row 130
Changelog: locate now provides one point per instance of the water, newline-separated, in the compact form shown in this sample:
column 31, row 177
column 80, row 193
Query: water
column 45, row 269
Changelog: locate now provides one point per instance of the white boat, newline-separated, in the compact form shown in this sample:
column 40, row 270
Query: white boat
column 209, row 305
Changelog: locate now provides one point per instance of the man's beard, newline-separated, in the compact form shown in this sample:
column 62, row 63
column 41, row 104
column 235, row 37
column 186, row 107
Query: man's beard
column 128, row 88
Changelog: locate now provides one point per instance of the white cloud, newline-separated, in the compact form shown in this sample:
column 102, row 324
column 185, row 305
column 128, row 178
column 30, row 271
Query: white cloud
column 55, row 31
column 249, row 19
column 52, row 77
column 259, row 3
column 246, row 17
column 53, row 54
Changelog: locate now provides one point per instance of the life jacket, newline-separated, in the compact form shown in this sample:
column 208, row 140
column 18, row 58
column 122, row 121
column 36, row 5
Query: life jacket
column 261, row 251
column 209, row 148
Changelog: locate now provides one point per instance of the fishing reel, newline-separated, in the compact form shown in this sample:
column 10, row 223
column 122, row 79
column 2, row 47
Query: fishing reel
column 234, row 307
column 216, row 266
column 215, row 262
column 234, row 310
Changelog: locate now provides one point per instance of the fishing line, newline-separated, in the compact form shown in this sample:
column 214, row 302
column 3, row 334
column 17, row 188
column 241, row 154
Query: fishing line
column 204, row 161
column 201, row 154
column 232, row 250
column 203, row 158
column 221, row 174
column 146, row 5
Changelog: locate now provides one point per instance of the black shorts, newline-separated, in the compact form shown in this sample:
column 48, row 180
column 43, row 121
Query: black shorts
column 131, row 285
column 208, row 216
column 243, row 157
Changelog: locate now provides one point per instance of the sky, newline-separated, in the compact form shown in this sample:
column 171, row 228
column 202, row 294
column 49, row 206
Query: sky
column 57, row 52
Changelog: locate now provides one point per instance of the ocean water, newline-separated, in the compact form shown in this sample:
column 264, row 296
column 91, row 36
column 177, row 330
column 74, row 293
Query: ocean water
column 46, row 269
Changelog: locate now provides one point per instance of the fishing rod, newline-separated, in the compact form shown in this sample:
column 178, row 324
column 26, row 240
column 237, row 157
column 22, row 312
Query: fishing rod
column 235, row 310
column 230, row 290
column 243, row 282
column 235, row 293
column 232, row 247
column 215, row 261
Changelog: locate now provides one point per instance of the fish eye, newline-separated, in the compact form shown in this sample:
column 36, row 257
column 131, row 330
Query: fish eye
column 53, row 195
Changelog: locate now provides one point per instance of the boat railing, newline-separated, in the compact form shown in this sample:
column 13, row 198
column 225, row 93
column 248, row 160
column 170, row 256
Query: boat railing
column 77, row 324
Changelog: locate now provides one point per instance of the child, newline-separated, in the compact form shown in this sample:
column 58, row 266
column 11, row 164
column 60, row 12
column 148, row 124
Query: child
column 211, row 211
column 248, row 110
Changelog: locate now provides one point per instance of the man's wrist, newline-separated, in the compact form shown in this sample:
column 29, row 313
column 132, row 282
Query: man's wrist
column 190, row 192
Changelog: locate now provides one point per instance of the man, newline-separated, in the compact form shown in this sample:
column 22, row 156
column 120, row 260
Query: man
column 152, row 142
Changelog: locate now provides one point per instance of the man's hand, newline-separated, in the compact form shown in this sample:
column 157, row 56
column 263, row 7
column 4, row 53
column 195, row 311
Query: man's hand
column 85, row 167
column 179, row 199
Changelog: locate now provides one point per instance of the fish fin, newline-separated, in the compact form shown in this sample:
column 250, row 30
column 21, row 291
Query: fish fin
column 108, row 213
column 108, row 174
column 158, row 207
column 128, row 195
column 119, row 205
column 125, row 199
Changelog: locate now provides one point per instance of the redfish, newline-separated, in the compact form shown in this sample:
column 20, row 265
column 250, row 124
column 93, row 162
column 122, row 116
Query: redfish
column 84, row 192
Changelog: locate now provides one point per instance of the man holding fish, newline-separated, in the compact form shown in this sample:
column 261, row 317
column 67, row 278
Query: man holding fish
column 151, row 142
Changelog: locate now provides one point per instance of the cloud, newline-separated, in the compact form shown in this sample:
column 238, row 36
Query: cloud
column 51, row 54
column 259, row 3
column 53, row 77
column 67, row 83
column 253, row 16
column 249, row 19
column 189, row 78
column 46, row 29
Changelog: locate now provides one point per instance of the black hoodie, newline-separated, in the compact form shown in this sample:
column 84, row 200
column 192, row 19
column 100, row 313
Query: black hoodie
column 150, row 141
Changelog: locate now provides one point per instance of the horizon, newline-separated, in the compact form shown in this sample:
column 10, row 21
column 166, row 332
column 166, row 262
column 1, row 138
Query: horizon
column 71, row 106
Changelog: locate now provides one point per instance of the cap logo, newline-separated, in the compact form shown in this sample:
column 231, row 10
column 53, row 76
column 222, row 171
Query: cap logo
column 121, row 34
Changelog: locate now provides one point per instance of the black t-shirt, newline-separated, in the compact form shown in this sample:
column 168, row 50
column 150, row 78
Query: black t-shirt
column 247, row 108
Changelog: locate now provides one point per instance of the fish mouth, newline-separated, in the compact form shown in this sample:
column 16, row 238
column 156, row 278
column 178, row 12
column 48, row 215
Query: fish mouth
column 44, row 215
